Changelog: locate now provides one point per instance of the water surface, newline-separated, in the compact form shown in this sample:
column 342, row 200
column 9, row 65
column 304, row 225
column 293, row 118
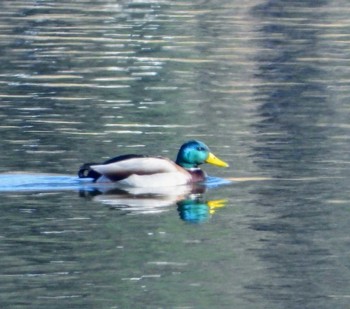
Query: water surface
column 263, row 83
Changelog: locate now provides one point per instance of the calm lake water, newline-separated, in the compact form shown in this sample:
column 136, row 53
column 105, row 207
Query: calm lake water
column 264, row 83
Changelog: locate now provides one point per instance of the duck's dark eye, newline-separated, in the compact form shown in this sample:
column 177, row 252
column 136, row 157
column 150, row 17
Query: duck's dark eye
column 200, row 148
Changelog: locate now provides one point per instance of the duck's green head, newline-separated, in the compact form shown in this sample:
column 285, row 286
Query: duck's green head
column 194, row 153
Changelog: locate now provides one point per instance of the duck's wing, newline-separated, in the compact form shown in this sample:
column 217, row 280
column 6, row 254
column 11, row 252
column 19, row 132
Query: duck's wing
column 123, row 158
column 86, row 171
column 122, row 167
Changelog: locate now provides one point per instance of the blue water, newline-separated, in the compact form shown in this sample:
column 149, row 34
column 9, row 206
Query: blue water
column 19, row 182
column 263, row 83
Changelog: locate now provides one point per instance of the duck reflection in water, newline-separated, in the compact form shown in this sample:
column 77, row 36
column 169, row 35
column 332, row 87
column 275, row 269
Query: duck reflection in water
column 197, row 210
column 191, row 203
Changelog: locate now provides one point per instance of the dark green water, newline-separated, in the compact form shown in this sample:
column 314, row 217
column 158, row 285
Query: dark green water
column 263, row 83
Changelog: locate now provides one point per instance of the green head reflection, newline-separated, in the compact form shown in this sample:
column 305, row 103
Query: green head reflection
column 197, row 210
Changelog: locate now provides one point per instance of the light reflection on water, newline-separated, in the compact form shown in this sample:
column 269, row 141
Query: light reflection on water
column 263, row 83
column 192, row 204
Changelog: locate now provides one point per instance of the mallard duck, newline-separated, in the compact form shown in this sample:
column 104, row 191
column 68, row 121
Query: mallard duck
column 147, row 171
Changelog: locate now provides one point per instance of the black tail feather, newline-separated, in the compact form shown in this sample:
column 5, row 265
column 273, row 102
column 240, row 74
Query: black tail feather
column 85, row 171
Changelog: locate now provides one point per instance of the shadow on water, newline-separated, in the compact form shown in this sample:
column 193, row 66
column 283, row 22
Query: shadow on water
column 191, row 202
column 291, row 143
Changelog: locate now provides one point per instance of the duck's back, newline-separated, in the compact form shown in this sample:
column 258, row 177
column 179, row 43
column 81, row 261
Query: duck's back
column 139, row 171
column 86, row 170
column 141, row 165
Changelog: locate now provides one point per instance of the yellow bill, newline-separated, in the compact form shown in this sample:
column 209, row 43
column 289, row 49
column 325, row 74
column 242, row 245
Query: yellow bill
column 212, row 159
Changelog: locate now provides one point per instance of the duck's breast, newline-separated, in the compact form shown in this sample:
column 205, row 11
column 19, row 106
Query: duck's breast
column 197, row 175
